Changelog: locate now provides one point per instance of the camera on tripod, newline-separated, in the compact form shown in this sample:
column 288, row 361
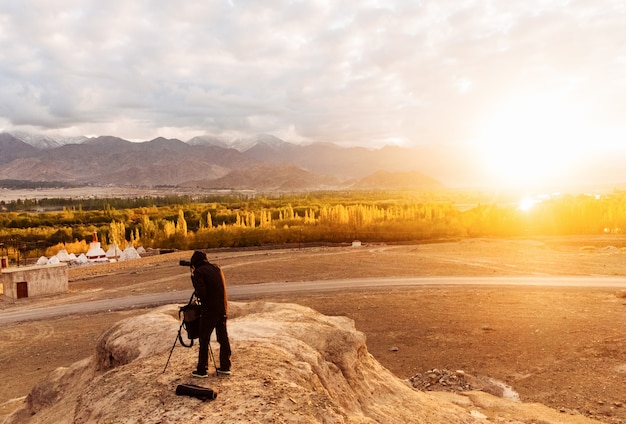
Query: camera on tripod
column 184, row 263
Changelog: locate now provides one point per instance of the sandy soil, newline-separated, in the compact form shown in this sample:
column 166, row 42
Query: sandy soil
column 563, row 347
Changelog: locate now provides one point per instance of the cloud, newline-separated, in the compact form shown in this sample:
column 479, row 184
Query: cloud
column 412, row 72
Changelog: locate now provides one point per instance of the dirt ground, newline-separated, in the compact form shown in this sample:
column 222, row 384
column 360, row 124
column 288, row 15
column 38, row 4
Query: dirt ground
column 559, row 346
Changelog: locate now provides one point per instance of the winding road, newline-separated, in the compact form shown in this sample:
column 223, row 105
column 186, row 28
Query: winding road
column 250, row 291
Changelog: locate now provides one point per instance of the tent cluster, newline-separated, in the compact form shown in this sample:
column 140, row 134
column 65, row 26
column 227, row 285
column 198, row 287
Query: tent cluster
column 94, row 255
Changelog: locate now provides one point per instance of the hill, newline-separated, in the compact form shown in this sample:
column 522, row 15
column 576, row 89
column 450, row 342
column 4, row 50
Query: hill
column 268, row 178
column 291, row 364
column 395, row 180
column 12, row 148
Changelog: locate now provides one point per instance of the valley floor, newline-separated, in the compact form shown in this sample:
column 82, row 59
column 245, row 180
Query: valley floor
column 563, row 347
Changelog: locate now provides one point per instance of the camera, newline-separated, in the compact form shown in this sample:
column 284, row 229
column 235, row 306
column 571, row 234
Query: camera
column 184, row 263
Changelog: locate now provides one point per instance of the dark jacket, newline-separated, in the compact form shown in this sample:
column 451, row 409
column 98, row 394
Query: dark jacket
column 210, row 285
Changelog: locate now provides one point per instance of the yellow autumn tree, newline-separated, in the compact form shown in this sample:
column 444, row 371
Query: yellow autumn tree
column 117, row 234
column 181, row 223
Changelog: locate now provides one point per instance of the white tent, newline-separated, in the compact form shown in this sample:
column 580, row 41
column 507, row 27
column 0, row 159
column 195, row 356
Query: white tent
column 72, row 257
column 82, row 259
column 114, row 251
column 141, row 250
column 53, row 261
column 42, row 261
column 129, row 253
column 63, row 256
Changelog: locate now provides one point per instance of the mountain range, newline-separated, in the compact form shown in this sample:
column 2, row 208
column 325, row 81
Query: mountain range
column 262, row 163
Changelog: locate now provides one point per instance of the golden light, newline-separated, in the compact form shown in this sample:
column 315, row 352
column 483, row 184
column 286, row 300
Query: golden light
column 527, row 204
column 531, row 141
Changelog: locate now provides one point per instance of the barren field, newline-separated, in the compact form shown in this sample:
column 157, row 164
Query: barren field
column 563, row 347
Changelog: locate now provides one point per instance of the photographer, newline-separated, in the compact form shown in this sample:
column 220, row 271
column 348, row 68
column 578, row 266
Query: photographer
column 210, row 286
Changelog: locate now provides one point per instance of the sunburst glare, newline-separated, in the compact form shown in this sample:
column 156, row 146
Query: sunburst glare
column 533, row 141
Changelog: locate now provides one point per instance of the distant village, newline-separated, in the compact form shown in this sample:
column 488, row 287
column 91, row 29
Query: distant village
column 50, row 275
column 95, row 254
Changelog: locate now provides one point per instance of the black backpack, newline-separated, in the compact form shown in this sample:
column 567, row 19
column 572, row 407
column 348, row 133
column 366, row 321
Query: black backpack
column 190, row 321
column 190, row 314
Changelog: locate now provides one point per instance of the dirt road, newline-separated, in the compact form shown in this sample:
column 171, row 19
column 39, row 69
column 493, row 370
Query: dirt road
column 561, row 346
column 246, row 292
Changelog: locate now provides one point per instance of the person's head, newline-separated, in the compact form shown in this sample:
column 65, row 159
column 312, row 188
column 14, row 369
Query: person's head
column 198, row 258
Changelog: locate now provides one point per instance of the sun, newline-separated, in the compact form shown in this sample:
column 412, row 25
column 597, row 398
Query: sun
column 527, row 204
column 531, row 141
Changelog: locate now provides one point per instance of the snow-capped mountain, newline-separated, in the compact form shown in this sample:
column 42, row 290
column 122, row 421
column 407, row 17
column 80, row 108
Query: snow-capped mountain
column 41, row 141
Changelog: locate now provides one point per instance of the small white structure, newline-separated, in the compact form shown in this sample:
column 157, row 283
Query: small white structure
column 82, row 259
column 356, row 243
column 53, row 261
column 129, row 253
column 30, row 281
column 114, row 252
column 42, row 260
column 95, row 252
column 63, row 256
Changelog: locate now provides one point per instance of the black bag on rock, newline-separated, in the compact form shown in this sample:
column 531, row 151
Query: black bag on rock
column 202, row 393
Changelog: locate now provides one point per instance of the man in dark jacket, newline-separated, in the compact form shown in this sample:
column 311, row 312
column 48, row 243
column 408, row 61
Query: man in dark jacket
column 210, row 285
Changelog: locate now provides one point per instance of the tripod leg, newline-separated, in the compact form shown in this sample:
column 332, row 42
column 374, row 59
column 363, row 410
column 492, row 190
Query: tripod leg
column 172, row 350
column 212, row 357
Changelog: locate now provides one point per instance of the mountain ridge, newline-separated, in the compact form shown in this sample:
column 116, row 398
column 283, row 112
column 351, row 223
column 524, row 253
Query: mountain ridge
column 270, row 164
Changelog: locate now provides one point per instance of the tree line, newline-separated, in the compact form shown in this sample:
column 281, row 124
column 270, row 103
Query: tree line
column 184, row 222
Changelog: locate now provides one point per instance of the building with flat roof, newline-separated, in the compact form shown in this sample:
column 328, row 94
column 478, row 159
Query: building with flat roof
column 31, row 281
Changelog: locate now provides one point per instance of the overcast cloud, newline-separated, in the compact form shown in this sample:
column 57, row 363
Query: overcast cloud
column 365, row 72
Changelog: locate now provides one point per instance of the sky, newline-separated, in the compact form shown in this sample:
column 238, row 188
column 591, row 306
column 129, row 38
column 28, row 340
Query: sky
column 517, row 83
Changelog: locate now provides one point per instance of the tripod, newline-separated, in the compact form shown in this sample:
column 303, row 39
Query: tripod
column 179, row 338
column 174, row 345
column 179, row 335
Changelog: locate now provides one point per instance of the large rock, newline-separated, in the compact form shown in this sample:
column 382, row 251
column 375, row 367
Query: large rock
column 132, row 339
column 290, row 364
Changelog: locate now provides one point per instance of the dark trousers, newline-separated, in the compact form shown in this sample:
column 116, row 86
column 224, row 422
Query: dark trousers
column 207, row 324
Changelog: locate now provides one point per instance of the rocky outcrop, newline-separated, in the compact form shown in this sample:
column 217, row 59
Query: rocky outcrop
column 290, row 364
